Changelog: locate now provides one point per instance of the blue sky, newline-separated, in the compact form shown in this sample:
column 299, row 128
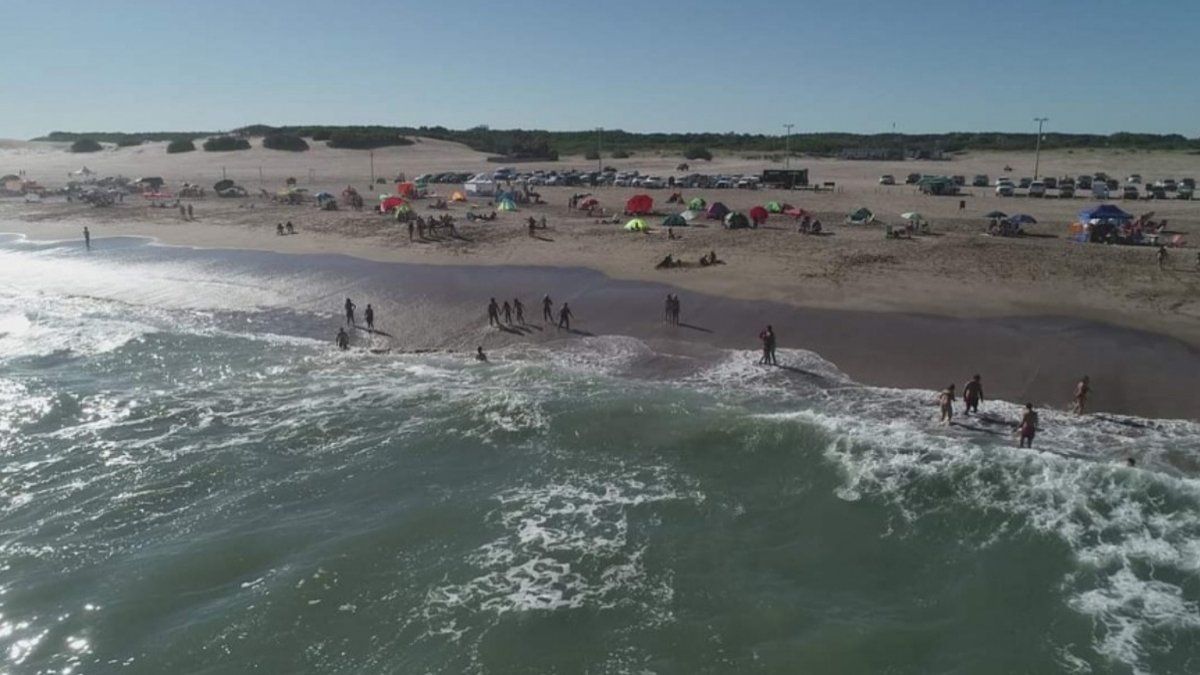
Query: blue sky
column 750, row 66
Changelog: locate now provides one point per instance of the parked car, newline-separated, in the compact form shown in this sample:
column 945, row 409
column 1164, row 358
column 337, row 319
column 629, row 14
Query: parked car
column 1184, row 192
column 1134, row 178
column 887, row 179
column 1099, row 190
column 980, row 180
column 1084, row 182
column 1066, row 180
column 1037, row 189
column 653, row 182
column 912, row 179
column 1169, row 184
column 1130, row 192
column 1005, row 190
column 1002, row 180
column 1066, row 191
column 959, row 180
column 1024, row 183
column 1155, row 192
column 1051, row 182
column 1189, row 183
column 1113, row 184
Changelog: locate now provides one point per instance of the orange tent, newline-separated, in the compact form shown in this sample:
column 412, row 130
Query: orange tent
column 408, row 190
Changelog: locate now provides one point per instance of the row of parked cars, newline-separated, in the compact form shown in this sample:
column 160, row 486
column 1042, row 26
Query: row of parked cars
column 605, row 177
column 1099, row 185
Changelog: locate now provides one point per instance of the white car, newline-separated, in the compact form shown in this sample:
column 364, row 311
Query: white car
column 1037, row 189
column 653, row 182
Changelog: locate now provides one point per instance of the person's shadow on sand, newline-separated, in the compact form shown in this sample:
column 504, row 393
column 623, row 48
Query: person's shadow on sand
column 702, row 329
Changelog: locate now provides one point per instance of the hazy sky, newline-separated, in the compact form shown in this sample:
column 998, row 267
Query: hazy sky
column 739, row 65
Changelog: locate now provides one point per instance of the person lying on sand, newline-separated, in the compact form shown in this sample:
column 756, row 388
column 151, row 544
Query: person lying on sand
column 667, row 262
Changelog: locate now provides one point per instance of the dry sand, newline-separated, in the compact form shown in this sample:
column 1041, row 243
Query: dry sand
column 955, row 272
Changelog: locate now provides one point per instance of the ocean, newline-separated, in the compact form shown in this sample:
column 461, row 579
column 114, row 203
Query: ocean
column 195, row 480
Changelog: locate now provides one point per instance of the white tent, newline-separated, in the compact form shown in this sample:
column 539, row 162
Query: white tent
column 481, row 185
column 83, row 172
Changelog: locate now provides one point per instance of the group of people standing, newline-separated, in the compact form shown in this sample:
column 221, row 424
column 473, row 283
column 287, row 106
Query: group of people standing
column 671, row 310
column 1027, row 428
column 516, row 310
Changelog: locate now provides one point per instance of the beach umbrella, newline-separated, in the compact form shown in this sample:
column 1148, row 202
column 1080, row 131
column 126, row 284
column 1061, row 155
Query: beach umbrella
column 995, row 214
column 674, row 220
column 635, row 225
column 689, row 215
column 1022, row 219
column 912, row 215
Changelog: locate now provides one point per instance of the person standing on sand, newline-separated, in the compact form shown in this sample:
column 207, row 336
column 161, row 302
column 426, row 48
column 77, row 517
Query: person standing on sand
column 972, row 395
column 1082, row 390
column 493, row 313
column 507, row 313
column 87, row 238
column 547, row 309
column 411, row 227
column 564, row 316
column 675, row 310
column 369, row 315
column 350, row 313
column 667, row 308
column 1162, row 256
column 520, row 310
column 946, row 403
column 191, row 214
column 1028, row 427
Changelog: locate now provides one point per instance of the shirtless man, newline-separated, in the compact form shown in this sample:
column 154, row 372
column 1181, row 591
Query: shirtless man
column 493, row 313
column 1082, row 390
column 520, row 310
column 946, row 403
column 547, row 309
column 1028, row 427
column 972, row 395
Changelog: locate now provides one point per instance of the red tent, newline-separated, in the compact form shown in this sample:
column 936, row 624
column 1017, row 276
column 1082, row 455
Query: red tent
column 639, row 205
column 759, row 215
column 406, row 190
column 796, row 212
column 391, row 203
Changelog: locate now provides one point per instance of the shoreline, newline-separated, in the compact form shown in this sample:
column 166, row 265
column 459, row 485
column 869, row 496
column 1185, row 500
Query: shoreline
column 1021, row 358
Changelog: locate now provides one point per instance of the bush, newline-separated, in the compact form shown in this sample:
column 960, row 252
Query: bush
column 321, row 135
column 621, row 154
column 698, row 153
column 180, row 145
column 592, row 155
column 128, row 142
column 365, row 140
column 285, row 142
column 86, row 145
column 226, row 144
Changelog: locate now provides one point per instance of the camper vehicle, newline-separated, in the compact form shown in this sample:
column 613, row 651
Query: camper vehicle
column 1037, row 189
column 887, row 179
column 980, row 180
column 784, row 178
column 1130, row 192
column 1005, row 190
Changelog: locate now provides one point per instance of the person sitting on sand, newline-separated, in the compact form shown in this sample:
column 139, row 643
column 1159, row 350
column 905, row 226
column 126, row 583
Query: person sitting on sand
column 1028, row 427
column 279, row 229
column 479, row 355
column 671, row 233
column 291, row 229
column 665, row 262
column 815, row 228
column 946, row 403
column 1082, row 389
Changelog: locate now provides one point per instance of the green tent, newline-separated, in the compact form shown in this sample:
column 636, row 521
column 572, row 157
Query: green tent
column 861, row 217
column 507, row 205
column 736, row 221
column 697, row 204
column 774, row 207
column 675, row 220
column 635, row 225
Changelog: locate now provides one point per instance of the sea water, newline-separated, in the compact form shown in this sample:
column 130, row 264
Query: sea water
column 192, row 479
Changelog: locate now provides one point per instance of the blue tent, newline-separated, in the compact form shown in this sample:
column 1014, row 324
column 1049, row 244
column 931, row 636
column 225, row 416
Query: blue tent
column 1103, row 212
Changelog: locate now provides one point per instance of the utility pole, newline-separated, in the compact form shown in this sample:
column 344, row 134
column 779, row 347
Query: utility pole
column 787, row 145
column 372, row 155
column 1037, row 154
column 599, row 131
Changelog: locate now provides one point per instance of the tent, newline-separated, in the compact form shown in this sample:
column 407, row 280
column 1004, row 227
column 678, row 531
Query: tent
column 995, row 214
column 774, row 207
column 481, row 185
column 218, row 186
column 675, row 220
column 407, row 190
column 697, row 204
column 717, row 211
column 639, row 205
column 388, row 203
column 759, row 215
column 736, row 221
column 506, row 197
column 507, row 205
column 635, row 225
column 1022, row 219
column 860, row 217
column 912, row 216
column 458, row 197
column 588, row 204
column 322, row 196
column 796, row 212
column 689, row 215
column 1103, row 212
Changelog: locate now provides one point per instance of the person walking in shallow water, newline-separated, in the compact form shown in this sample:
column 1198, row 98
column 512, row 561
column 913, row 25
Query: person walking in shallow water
column 87, row 239
column 946, row 403
column 972, row 395
column 520, row 310
column 1082, row 389
column 1028, row 427
column 369, row 315
column 564, row 316
column 350, row 313
column 507, row 313
column 547, row 309
column 493, row 313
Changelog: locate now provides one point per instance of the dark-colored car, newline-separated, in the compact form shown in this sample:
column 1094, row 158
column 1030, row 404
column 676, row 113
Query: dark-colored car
column 912, row 179
column 1066, row 191
column 980, row 180
column 1084, row 182
column 1051, row 182
column 1024, row 183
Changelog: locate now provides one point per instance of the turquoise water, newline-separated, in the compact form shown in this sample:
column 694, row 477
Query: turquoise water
column 193, row 480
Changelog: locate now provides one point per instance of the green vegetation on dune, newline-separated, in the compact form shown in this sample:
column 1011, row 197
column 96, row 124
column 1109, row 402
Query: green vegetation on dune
column 550, row 144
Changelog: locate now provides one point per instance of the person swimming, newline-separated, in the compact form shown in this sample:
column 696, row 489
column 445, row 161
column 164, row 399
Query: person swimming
column 479, row 355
